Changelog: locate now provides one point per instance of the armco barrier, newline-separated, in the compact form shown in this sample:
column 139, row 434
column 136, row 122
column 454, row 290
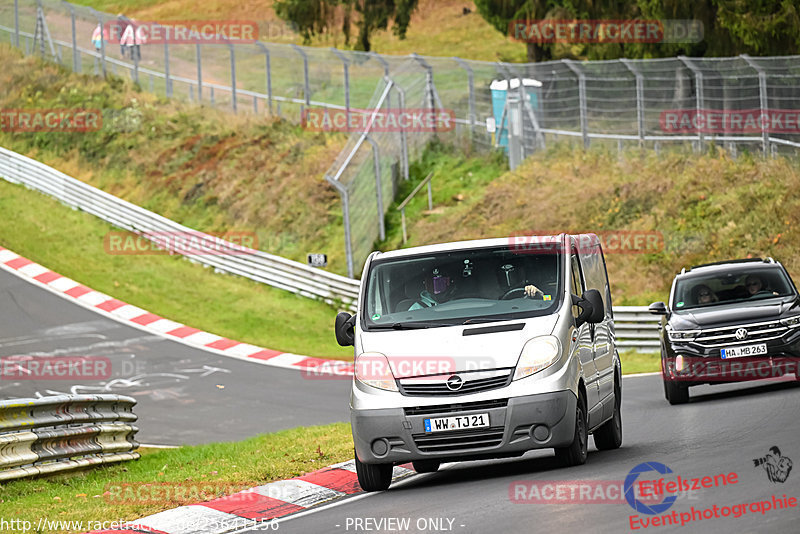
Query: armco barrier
column 65, row 432
column 636, row 328
column 259, row 266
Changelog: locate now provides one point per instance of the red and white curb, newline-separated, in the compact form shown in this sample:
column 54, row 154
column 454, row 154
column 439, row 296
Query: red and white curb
column 257, row 505
column 150, row 322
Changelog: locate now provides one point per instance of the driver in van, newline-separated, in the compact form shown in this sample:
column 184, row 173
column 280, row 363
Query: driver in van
column 511, row 276
column 439, row 287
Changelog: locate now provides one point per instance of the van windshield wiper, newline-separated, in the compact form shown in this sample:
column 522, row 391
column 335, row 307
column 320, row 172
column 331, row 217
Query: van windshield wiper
column 407, row 326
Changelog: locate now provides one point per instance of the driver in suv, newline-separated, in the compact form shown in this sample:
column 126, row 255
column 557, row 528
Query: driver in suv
column 726, row 322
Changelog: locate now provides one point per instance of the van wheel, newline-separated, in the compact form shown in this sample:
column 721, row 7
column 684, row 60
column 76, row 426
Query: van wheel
column 675, row 393
column 426, row 466
column 578, row 450
column 373, row 477
column 609, row 436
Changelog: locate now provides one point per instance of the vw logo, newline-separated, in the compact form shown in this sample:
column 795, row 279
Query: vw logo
column 454, row 383
column 741, row 333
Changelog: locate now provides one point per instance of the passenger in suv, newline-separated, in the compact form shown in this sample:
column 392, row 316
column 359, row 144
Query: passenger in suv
column 727, row 322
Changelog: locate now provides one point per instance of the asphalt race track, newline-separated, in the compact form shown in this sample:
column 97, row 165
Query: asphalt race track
column 185, row 395
column 189, row 396
column 721, row 431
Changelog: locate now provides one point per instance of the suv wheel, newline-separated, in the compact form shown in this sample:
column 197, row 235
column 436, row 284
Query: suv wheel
column 578, row 450
column 373, row 477
column 676, row 393
column 609, row 436
column 426, row 466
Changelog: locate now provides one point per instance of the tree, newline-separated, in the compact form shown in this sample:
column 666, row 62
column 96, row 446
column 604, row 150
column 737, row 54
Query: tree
column 315, row 17
column 503, row 13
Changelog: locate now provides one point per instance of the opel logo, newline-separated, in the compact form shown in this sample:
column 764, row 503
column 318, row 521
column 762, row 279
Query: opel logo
column 454, row 383
column 741, row 333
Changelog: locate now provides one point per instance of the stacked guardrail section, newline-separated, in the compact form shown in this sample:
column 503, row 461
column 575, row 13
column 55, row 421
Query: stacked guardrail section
column 65, row 432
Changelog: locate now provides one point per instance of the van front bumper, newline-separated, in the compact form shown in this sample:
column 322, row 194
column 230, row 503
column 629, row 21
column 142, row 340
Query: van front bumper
column 516, row 425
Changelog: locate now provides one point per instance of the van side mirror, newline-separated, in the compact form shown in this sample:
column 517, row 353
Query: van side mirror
column 658, row 308
column 344, row 329
column 591, row 305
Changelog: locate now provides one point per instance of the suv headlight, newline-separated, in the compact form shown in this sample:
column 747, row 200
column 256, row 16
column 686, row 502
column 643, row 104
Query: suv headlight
column 682, row 335
column 538, row 354
column 372, row 369
column 791, row 321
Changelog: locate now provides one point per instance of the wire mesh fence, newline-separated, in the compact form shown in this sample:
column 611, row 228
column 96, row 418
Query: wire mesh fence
column 519, row 108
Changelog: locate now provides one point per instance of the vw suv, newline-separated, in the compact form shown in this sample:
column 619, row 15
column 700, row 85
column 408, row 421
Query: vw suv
column 727, row 322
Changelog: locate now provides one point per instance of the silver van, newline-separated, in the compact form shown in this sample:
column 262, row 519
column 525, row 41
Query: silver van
column 482, row 349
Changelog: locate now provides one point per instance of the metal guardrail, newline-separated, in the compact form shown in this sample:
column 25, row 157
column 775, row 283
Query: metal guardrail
column 65, row 432
column 228, row 257
column 636, row 328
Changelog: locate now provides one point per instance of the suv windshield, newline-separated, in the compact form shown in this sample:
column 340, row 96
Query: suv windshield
column 462, row 286
column 738, row 284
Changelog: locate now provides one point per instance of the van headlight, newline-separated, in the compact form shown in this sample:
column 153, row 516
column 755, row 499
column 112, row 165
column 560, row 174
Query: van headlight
column 372, row 369
column 538, row 353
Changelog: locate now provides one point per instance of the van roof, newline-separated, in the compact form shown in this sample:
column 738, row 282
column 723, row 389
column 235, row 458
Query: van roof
column 519, row 240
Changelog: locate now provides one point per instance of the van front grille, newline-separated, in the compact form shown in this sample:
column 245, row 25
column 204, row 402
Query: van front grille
column 459, row 440
column 445, row 409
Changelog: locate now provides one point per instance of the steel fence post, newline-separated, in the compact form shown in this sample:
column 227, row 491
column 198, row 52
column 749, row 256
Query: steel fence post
column 76, row 57
column 167, row 79
column 306, row 85
column 102, row 40
column 471, row 81
column 376, row 160
column 199, row 57
column 346, row 67
column 429, row 87
column 268, row 69
column 698, row 76
column 581, row 99
column 233, row 77
column 762, row 98
column 639, row 99
column 403, row 134
column 16, row 23
column 348, row 245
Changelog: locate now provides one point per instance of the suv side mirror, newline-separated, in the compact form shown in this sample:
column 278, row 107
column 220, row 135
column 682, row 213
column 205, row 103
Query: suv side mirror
column 344, row 329
column 658, row 308
column 591, row 305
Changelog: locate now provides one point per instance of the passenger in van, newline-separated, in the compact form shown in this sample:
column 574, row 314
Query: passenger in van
column 439, row 287
column 703, row 295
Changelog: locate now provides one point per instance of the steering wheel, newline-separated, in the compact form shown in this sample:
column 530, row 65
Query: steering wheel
column 507, row 294
column 763, row 292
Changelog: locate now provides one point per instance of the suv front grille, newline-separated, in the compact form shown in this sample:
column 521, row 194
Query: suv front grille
column 439, row 387
column 722, row 337
column 445, row 409
column 459, row 440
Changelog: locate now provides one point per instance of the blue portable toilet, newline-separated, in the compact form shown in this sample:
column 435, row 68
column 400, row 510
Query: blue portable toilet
column 499, row 90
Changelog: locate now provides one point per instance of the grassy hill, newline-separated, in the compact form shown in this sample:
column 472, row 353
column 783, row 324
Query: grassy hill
column 438, row 27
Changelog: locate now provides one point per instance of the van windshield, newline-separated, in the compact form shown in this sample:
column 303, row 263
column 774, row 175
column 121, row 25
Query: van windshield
column 462, row 286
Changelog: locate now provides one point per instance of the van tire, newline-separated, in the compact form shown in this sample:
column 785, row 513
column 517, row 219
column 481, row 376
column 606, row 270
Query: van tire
column 577, row 451
column 609, row 435
column 373, row 477
column 426, row 466
column 675, row 393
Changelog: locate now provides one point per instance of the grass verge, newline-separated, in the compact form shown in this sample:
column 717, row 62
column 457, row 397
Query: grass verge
column 185, row 475
column 639, row 362
column 71, row 243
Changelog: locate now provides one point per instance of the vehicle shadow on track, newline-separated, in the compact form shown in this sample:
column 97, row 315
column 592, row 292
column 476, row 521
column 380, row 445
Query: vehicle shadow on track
column 764, row 389
column 501, row 468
